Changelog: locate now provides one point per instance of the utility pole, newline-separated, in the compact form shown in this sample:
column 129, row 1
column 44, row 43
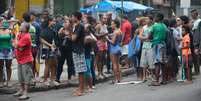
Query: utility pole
column 51, row 6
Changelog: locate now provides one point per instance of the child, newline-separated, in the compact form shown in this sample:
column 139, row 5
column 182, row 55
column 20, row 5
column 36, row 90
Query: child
column 89, row 39
column 25, row 59
column 186, row 54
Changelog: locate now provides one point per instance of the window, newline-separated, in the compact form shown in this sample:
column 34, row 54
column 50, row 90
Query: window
column 196, row 2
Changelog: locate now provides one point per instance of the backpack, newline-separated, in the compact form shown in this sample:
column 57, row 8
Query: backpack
column 170, row 43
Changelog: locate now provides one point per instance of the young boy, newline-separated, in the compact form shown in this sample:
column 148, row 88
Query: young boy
column 186, row 54
column 77, row 38
column 25, row 59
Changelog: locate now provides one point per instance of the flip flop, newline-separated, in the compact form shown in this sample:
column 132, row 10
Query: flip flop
column 78, row 94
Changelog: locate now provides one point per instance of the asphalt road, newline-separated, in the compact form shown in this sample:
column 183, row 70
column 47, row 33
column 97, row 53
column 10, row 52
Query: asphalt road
column 130, row 92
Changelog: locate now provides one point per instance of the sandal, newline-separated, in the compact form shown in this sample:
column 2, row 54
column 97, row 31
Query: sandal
column 78, row 93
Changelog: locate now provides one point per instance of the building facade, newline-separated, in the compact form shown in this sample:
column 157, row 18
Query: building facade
column 195, row 4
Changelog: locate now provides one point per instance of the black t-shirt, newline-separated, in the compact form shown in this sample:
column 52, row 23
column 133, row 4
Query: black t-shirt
column 48, row 34
column 78, row 44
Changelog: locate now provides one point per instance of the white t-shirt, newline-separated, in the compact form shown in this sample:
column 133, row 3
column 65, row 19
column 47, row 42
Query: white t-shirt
column 196, row 23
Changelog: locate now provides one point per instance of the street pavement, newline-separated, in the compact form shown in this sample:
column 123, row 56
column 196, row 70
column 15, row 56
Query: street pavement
column 129, row 92
column 108, row 92
column 7, row 98
column 14, row 76
column 39, row 86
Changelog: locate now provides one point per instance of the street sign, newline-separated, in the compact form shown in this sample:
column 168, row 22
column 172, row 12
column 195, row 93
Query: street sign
column 185, row 3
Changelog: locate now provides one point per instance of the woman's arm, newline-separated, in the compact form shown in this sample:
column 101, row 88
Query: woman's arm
column 46, row 43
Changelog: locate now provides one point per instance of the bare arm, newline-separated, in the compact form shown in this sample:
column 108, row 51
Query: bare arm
column 45, row 42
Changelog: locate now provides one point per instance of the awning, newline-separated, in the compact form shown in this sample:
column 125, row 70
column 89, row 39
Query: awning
column 107, row 5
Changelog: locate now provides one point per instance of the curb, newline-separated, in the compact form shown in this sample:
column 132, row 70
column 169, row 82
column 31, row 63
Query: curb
column 125, row 72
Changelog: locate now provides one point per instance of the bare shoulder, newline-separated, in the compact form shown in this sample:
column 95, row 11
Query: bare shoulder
column 118, row 32
column 98, row 26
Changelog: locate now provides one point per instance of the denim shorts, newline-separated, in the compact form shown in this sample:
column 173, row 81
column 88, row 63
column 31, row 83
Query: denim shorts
column 159, row 53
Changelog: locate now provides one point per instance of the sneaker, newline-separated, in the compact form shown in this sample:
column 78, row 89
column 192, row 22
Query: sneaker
column 55, row 83
column 17, row 94
column 180, row 80
column 47, row 83
column 93, row 87
column 23, row 97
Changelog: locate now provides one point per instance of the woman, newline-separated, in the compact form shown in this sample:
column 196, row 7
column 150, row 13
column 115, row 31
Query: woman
column 48, row 40
column 114, row 48
column 6, row 53
column 65, row 48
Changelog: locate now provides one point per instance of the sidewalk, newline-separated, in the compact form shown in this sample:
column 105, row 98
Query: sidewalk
column 64, row 82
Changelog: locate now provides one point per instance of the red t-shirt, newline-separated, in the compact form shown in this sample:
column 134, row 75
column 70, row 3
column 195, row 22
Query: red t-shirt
column 23, row 52
column 126, row 30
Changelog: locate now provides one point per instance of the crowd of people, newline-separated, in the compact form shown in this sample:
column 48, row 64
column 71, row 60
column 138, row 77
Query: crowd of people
column 156, row 47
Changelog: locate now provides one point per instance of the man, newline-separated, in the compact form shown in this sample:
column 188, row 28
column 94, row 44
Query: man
column 126, row 29
column 158, row 34
column 110, row 31
column 179, row 30
column 32, row 32
column 45, row 16
column 77, row 38
column 101, row 32
column 24, row 59
column 196, row 27
column 36, row 43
